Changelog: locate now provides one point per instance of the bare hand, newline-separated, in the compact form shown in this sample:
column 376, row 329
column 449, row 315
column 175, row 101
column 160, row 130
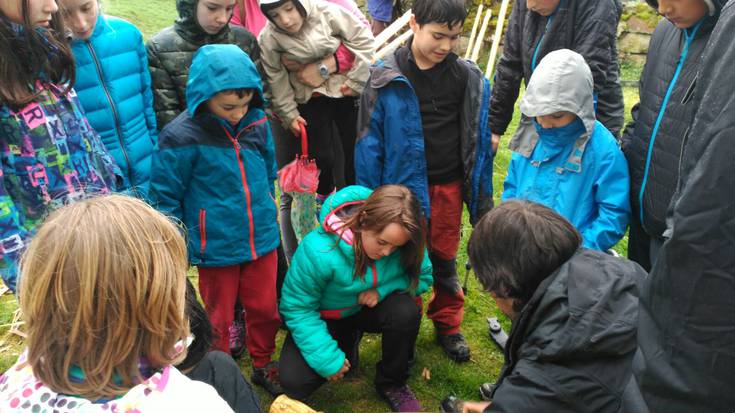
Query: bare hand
column 348, row 91
column 495, row 141
column 295, row 128
column 310, row 76
column 291, row 65
column 369, row 298
column 341, row 373
column 474, row 407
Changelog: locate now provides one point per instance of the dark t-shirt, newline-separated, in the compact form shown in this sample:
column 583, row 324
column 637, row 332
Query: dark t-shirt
column 440, row 91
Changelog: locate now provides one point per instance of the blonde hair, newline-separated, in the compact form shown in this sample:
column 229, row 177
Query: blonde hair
column 102, row 285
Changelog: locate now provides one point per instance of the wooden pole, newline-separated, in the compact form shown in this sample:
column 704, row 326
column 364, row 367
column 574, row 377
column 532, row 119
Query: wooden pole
column 392, row 30
column 481, row 36
column 392, row 45
column 474, row 32
column 496, row 39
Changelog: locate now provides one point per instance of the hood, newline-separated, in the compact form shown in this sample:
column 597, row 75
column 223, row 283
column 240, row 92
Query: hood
column 714, row 6
column 219, row 67
column 336, row 208
column 562, row 81
column 188, row 27
column 588, row 309
column 305, row 7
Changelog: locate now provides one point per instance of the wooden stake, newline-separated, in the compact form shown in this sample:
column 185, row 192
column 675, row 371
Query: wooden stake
column 481, row 36
column 474, row 32
column 496, row 39
column 392, row 30
column 392, row 45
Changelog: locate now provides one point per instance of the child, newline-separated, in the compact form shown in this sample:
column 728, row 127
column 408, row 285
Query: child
column 424, row 125
column 50, row 154
column 574, row 313
column 305, row 31
column 653, row 142
column 114, row 87
column 170, row 51
column 102, row 295
column 360, row 271
column 214, row 170
column 574, row 165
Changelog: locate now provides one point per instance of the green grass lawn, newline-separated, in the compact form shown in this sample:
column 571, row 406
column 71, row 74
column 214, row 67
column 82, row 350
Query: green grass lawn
column 357, row 394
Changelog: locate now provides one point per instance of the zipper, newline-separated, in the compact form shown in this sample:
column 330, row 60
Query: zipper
column 114, row 109
column 202, row 232
column 245, row 188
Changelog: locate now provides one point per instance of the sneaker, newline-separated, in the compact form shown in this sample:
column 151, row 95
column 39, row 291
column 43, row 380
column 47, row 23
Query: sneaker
column 237, row 336
column 455, row 346
column 267, row 378
column 400, row 399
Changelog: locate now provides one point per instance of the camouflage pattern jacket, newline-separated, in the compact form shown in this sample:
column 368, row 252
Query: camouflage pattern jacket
column 170, row 53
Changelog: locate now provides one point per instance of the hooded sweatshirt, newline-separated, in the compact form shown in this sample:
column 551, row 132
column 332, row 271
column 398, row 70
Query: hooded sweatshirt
column 320, row 283
column 215, row 177
column 577, row 170
column 325, row 27
column 570, row 348
column 170, row 53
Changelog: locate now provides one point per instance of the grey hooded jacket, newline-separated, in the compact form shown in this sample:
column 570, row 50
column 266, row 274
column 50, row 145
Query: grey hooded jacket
column 571, row 346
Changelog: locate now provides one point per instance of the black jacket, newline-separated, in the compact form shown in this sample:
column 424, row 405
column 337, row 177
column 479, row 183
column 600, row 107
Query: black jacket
column 665, row 51
column 686, row 336
column 570, row 348
column 592, row 33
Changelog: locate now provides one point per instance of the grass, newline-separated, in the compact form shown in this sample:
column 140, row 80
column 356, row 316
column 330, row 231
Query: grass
column 357, row 394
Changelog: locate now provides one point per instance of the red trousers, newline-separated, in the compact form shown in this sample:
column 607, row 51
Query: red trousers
column 254, row 283
column 446, row 308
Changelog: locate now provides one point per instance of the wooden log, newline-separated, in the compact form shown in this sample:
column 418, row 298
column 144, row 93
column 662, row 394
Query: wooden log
column 481, row 36
column 473, row 33
column 496, row 39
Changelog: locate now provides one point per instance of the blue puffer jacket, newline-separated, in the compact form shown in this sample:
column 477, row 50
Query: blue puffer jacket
column 114, row 87
column 390, row 142
column 216, row 178
column 577, row 170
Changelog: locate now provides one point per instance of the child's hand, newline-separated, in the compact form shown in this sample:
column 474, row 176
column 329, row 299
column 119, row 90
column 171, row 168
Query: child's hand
column 495, row 141
column 295, row 128
column 368, row 298
column 341, row 373
column 291, row 65
column 348, row 91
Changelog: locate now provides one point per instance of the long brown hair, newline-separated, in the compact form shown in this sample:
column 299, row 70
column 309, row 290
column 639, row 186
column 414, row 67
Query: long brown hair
column 102, row 285
column 390, row 204
column 25, row 58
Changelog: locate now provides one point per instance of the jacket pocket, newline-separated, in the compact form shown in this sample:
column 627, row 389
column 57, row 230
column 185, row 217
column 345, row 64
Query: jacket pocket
column 202, row 232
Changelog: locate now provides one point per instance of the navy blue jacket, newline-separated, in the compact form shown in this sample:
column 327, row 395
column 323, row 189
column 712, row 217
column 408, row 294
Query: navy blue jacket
column 114, row 86
column 218, row 178
column 390, row 142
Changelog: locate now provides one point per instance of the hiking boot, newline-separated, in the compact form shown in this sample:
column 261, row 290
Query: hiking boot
column 400, row 399
column 486, row 391
column 267, row 378
column 237, row 335
column 451, row 404
column 455, row 346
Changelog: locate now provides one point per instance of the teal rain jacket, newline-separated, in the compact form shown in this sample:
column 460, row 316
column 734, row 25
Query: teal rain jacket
column 216, row 178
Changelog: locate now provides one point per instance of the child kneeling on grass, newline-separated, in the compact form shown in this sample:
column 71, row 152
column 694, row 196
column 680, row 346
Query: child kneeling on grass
column 102, row 294
column 571, row 163
column 360, row 271
column 214, row 170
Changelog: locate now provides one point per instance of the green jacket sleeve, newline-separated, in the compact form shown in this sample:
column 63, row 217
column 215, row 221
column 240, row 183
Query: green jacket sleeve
column 300, row 296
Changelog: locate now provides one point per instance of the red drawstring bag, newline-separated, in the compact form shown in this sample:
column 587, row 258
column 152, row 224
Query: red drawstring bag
column 301, row 175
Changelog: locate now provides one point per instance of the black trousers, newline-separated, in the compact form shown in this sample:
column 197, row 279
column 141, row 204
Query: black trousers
column 396, row 318
column 321, row 113
column 220, row 371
